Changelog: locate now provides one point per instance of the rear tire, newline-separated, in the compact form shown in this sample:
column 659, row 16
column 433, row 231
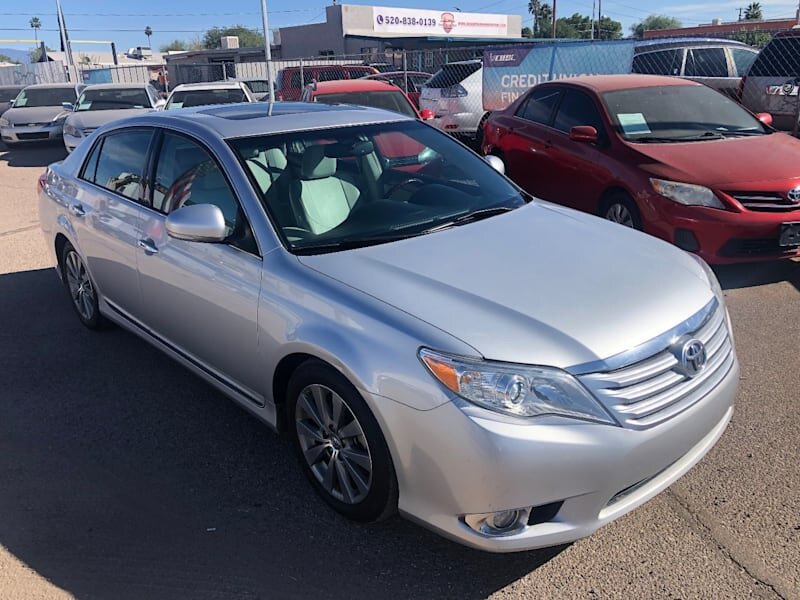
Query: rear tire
column 339, row 444
column 620, row 208
column 80, row 287
column 479, row 132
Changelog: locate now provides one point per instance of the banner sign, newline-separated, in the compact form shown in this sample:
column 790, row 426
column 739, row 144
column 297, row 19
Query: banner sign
column 509, row 72
column 407, row 21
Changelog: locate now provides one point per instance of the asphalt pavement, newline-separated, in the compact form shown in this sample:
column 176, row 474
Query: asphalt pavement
column 124, row 476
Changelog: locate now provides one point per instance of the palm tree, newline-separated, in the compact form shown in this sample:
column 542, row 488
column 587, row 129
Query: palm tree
column 36, row 24
column 753, row 12
column 148, row 32
column 534, row 6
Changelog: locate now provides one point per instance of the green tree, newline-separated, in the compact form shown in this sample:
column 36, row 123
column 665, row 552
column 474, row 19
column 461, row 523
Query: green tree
column 757, row 39
column 36, row 54
column 654, row 22
column 174, row 45
column 148, row 32
column 248, row 38
column 753, row 12
column 609, row 29
column 8, row 59
column 35, row 24
column 527, row 32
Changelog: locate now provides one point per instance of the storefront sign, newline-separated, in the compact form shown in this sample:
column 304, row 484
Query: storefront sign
column 407, row 21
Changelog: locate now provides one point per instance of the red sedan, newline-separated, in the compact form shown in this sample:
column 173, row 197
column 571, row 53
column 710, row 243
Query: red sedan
column 664, row 155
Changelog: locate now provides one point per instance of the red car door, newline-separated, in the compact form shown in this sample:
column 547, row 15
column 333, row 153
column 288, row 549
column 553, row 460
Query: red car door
column 524, row 151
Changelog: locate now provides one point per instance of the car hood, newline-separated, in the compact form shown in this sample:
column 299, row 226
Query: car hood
column 724, row 162
column 539, row 285
column 96, row 118
column 34, row 114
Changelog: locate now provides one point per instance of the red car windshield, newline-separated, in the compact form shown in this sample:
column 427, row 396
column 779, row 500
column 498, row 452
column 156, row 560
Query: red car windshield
column 675, row 113
column 394, row 101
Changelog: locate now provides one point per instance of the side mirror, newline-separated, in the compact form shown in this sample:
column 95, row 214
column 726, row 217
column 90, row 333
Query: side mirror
column 765, row 118
column 197, row 223
column 583, row 133
column 68, row 106
column 496, row 163
column 426, row 114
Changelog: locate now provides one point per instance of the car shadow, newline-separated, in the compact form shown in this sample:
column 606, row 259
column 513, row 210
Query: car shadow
column 746, row 275
column 38, row 154
column 125, row 476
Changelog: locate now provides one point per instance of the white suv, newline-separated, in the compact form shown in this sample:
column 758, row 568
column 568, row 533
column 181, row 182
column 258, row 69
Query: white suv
column 455, row 95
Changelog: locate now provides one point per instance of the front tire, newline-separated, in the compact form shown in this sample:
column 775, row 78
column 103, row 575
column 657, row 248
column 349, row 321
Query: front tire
column 620, row 208
column 340, row 445
column 81, row 288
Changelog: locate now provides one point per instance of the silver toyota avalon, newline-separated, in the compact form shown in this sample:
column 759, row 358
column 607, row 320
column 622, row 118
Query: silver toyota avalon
column 509, row 373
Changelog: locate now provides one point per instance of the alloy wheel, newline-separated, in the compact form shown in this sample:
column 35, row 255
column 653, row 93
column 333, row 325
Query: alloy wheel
column 619, row 213
column 333, row 444
column 80, row 285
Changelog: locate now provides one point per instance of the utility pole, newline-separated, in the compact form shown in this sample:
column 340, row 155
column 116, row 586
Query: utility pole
column 267, row 49
column 600, row 19
column 593, row 7
column 554, row 19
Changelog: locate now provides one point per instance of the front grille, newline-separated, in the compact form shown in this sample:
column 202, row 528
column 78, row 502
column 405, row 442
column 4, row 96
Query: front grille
column 33, row 124
column 765, row 201
column 34, row 136
column 653, row 390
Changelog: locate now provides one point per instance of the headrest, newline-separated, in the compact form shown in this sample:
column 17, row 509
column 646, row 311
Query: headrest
column 316, row 165
column 275, row 158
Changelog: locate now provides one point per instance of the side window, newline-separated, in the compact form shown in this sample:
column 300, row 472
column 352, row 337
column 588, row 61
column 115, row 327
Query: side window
column 539, row 105
column 706, row 62
column 662, row 62
column 119, row 163
column 742, row 59
column 186, row 175
column 577, row 109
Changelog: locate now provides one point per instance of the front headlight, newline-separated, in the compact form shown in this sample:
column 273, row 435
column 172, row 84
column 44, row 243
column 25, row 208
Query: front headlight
column 4, row 122
column 686, row 193
column 72, row 130
column 712, row 279
column 517, row 390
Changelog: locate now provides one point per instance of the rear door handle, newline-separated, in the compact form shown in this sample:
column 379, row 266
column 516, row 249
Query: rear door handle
column 148, row 245
column 77, row 210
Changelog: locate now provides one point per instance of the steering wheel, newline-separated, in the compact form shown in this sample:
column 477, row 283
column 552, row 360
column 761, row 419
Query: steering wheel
column 403, row 183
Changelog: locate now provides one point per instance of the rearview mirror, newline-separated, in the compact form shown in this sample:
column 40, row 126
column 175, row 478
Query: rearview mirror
column 496, row 163
column 765, row 118
column 68, row 106
column 583, row 133
column 197, row 223
column 426, row 114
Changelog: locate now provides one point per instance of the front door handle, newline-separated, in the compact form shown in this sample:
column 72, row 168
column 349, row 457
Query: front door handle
column 148, row 245
column 77, row 210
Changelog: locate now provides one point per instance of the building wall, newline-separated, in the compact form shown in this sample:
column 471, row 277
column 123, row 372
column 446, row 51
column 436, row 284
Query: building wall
column 304, row 41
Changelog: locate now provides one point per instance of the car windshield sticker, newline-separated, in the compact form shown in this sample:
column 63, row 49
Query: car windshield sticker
column 85, row 105
column 633, row 123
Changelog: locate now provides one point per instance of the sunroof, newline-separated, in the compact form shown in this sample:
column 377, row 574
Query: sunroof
column 259, row 110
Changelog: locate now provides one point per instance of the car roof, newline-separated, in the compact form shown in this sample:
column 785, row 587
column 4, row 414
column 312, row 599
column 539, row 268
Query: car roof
column 211, row 85
column 365, row 68
column 397, row 74
column 353, row 85
column 53, row 85
column 610, row 83
column 682, row 42
column 115, row 86
column 255, row 118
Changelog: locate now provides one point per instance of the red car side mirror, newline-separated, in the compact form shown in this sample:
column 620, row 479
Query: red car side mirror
column 426, row 114
column 583, row 133
column 765, row 118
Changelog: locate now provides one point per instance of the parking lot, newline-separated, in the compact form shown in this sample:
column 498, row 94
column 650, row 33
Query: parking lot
column 124, row 476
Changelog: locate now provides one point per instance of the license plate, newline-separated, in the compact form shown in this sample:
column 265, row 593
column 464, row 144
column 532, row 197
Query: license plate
column 790, row 234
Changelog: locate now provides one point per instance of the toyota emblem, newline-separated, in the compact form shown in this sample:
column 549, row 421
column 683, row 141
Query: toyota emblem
column 794, row 195
column 691, row 355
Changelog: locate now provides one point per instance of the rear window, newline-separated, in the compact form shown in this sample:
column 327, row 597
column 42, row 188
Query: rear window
column 780, row 58
column 453, row 74
column 189, row 98
column 663, row 62
column 393, row 101
column 9, row 93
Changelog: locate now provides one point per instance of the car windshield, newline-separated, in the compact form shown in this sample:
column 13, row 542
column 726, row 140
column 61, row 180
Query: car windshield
column 453, row 74
column 187, row 98
column 678, row 113
column 113, row 99
column 257, row 85
column 9, row 93
column 349, row 187
column 33, row 97
column 780, row 58
column 389, row 100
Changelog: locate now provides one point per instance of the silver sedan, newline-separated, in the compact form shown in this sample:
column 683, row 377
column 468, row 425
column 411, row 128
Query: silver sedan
column 509, row 373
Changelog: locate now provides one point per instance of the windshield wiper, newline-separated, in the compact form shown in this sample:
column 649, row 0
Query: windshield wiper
column 471, row 217
column 351, row 244
column 653, row 139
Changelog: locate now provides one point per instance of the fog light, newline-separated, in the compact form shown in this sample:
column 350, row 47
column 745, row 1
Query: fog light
column 500, row 523
column 504, row 519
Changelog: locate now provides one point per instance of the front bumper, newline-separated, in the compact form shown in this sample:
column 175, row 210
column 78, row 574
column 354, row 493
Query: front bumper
column 721, row 236
column 71, row 142
column 19, row 134
column 451, row 464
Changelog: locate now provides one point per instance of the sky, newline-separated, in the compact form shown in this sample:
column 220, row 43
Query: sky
column 124, row 20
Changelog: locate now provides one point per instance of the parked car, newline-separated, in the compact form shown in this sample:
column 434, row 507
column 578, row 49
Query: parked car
column 410, row 82
column 665, row 155
column 376, row 310
column 455, row 95
column 288, row 83
column 102, row 103
column 258, row 87
column 7, row 95
column 202, row 94
column 364, row 92
column 719, row 64
column 771, row 83
column 37, row 113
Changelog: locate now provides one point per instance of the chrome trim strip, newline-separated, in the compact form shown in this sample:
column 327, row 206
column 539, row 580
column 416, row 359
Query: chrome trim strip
column 649, row 348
